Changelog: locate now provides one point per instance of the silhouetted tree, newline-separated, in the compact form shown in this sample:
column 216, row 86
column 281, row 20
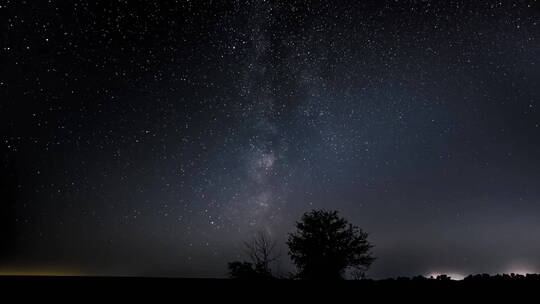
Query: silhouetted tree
column 261, row 252
column 325, row 245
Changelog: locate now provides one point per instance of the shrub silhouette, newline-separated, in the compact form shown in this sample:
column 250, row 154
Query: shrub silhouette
column 243, row 270
column 325, row 245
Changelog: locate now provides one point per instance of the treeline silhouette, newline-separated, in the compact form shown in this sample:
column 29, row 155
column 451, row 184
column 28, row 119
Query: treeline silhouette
column 473, row 278
column 325, row 246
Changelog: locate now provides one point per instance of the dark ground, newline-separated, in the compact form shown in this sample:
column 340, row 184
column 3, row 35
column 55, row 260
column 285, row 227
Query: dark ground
column 194, row 290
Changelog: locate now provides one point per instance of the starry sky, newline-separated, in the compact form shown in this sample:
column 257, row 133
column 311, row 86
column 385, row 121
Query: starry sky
column 153, row 137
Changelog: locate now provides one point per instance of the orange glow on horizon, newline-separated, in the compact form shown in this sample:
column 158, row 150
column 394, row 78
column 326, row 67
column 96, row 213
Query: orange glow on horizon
column 53, row 272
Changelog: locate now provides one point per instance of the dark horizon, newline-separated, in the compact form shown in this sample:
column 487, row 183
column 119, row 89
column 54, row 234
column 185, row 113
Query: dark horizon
column 152, row 138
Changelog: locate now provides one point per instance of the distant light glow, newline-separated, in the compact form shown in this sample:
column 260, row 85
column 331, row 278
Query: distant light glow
column 452, row 275
column 520, row 271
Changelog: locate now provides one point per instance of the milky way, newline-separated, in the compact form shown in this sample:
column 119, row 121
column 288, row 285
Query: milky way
column 154, row 137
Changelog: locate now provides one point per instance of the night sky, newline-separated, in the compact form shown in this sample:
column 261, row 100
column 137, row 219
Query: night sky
column 153, row 137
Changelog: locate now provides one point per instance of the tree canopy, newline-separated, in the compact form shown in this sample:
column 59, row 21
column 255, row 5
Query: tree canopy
column 325, row 245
